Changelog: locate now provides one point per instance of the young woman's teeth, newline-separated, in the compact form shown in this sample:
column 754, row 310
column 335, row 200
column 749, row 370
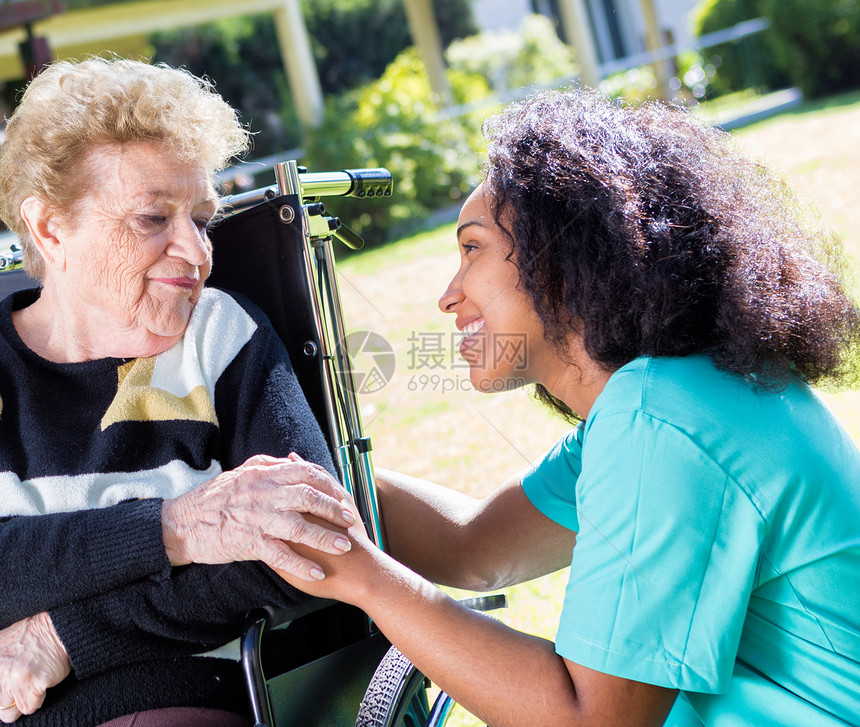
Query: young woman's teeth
column 473, row 327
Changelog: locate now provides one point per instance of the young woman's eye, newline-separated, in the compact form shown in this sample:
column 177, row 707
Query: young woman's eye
column 467, row 248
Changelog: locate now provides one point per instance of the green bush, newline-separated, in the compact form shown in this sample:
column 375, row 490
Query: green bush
column 393, row 123
column 242, row 54
column 812, row 44
column 508, row 59
column 746, row 63
column 433, row 156
column 817, row 42
column 634, row 86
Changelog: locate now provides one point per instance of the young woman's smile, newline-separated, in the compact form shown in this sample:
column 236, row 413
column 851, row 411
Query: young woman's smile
column 503, row 338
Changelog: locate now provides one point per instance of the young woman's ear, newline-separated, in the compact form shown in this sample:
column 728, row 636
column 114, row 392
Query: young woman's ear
column 41, row 221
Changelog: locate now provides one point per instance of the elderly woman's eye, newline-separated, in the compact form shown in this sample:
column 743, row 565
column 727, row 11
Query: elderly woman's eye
column 153, row 221
column 202, row 224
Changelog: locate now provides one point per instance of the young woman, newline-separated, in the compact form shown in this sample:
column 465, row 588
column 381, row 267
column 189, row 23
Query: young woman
column 676, row 305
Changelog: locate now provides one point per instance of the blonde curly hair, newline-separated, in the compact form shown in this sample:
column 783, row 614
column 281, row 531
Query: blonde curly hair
column 72, row 107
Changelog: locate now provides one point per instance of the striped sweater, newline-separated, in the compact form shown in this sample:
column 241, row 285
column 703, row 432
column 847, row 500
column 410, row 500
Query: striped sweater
column 88, row 451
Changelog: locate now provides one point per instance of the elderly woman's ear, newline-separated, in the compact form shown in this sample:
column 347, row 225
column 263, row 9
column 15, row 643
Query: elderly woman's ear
column 43, row 223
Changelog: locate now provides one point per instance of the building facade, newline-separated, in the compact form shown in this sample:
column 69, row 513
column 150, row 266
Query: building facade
column 618, row 27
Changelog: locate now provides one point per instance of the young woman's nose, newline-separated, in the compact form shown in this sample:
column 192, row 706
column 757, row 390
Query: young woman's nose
column 452, row 296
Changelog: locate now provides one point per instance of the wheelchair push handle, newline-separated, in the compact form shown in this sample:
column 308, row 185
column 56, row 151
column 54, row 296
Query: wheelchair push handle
column 11, row 258
column 347, row 183
column 361, row 183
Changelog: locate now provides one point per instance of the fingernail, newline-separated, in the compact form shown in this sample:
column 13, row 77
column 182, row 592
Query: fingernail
column 317, row 573
column 342, row 544
column 294, row 457
column 348, row 516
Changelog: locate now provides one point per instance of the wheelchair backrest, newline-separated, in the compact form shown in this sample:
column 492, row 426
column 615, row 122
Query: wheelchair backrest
column 259, row 255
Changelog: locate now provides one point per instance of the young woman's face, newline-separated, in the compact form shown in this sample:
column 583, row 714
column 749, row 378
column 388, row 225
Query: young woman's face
column 505, row 346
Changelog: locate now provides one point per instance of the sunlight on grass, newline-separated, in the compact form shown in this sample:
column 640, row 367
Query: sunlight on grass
column 441, row 239
column 727, row 105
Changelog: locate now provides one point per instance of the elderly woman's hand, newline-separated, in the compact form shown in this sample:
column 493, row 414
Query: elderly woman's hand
column 32, row 660
column 348, row 576
column 254, row 511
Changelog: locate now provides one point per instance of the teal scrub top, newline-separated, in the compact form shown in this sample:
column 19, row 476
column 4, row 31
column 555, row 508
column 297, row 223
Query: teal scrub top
column 718, row 544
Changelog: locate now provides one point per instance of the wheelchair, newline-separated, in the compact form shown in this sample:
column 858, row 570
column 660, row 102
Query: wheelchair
column 330, row 667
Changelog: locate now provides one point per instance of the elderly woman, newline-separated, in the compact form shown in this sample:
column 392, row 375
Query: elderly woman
column 671, row 299
column 146, row 422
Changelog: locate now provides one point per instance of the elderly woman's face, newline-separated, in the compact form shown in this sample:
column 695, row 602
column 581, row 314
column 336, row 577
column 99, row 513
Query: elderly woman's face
column 135, row 248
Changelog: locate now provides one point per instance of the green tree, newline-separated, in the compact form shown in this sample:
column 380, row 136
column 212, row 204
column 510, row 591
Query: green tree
column 817, row 42
column 241, row 56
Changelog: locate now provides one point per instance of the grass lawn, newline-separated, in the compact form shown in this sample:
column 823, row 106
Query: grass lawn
column 428, row 422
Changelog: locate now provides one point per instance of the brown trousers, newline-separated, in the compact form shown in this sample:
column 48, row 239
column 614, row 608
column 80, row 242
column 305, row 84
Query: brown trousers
column 180, row 717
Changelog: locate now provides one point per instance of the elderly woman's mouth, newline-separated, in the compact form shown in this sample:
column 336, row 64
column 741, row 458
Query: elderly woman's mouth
column 182, row 282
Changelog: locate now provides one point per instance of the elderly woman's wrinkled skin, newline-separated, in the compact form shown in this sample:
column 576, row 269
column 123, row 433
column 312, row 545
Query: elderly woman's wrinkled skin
column 124, row 269
column 32, row 659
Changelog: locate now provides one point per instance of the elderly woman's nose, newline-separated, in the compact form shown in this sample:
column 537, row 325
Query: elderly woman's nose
column 190, row 243
column 453, row 294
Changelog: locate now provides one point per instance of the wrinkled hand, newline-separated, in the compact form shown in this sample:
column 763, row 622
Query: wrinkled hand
column 32, row 660
column 348, row 575
column 255, row 512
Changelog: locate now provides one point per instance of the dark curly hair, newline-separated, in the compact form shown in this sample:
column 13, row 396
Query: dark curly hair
column 646, row 232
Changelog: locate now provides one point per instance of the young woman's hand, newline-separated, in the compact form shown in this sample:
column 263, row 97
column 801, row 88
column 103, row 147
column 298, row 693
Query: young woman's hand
column 345, row 575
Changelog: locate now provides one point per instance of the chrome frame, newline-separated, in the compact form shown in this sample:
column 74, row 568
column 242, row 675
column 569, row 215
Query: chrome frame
column 353, row 448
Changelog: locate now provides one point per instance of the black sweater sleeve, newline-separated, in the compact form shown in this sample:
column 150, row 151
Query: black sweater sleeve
column 94, row 556
column 197, row 609
column 260, row 409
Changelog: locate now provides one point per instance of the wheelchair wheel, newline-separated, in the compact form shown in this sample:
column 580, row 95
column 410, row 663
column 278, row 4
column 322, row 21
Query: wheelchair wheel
column 397, row 696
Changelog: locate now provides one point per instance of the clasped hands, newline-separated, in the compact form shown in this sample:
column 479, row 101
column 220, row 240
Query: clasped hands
column 259, row 511
column 283, row 512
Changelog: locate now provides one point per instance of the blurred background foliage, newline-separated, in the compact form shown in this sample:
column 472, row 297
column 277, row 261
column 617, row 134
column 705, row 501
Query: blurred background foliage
column 508, row 59
column 811, row 44
column 743, row 64
column 433, row 156
column 380, row 109
column 242, row 55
